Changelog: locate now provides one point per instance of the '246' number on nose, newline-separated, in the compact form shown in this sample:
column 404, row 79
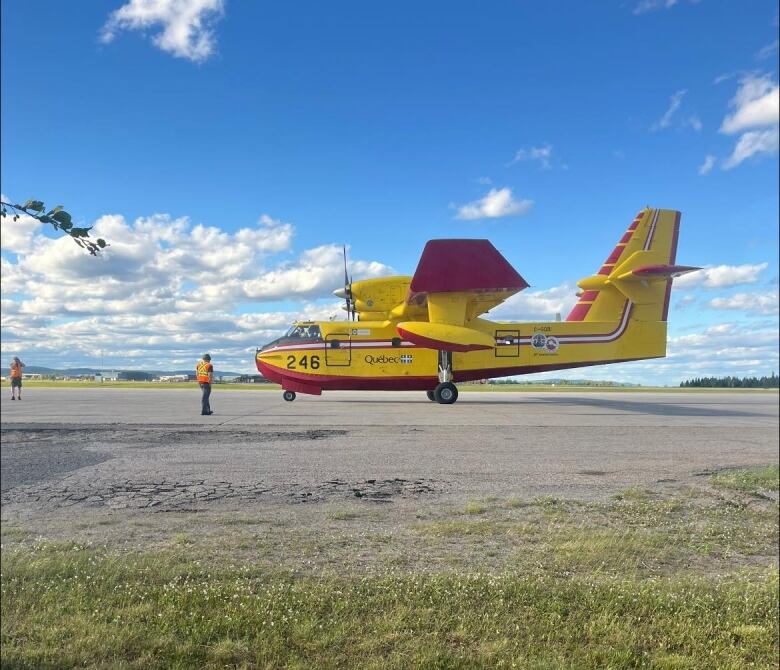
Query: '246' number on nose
column 306, row 362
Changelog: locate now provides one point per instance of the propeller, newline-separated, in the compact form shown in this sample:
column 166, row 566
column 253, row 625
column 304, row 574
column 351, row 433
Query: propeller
column 346, row 292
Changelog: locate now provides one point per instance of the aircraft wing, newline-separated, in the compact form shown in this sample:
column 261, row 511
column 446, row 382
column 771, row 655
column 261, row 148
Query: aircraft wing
column 471, row 274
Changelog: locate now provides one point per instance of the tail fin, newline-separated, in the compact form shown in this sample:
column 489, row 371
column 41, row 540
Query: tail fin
column 640, row 269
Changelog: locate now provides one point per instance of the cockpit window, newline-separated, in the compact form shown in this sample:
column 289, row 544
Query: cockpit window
column 311, row 332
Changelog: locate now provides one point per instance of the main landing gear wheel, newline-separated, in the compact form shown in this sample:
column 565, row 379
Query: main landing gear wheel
column 431, row 396
column 446, row 393
column 289, row 396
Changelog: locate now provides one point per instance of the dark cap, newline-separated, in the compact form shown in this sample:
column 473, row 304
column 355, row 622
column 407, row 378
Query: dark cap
column 206, row 357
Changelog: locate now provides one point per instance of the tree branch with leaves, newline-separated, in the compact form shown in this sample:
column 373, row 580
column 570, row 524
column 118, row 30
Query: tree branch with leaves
column 58, row 218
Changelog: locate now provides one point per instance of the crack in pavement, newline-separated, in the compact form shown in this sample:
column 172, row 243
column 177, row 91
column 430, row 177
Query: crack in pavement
column 169, row 495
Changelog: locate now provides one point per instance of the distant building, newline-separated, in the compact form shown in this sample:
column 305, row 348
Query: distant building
column 175, row 378
column 227, row 379
column 252, row 379
column 135, row 376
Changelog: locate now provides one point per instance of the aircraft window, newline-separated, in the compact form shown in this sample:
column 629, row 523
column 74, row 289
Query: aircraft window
column 396, row 341
column 305, row 332
column 313, row 332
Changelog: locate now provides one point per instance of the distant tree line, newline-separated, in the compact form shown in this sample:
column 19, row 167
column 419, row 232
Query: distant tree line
column 556, row 382
column 732, row 382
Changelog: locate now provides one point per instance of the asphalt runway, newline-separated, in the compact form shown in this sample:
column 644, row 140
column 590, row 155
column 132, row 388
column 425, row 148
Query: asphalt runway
column 137, row 449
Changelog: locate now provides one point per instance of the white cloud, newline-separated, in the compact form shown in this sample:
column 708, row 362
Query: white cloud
column 674, row 104
column 707, row 165
column 752, row 303
column 756, row 104
column 164, row 289
column 721, row 276
column 185, row 25
column 724, row 77
column 651, row 5
column 753, row 143
column 694, row 122
column 768, row 50
column 537, row 305
column 17, row 236
column 497, row 203
column 541, row 155
column 725, row 345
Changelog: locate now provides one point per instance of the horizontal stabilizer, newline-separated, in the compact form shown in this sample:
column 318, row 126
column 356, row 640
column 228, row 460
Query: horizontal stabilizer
column 660, row 271
column 444, row 336
column 636, row 276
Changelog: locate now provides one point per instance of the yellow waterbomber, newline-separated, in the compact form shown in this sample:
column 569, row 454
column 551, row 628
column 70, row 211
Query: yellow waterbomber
column 426, row 332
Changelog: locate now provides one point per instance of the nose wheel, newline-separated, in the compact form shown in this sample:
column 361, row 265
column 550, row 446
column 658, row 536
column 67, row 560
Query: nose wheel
column 289, row 396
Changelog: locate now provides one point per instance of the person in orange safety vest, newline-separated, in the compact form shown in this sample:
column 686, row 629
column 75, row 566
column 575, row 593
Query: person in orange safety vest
column 15, row 373
column 205, row 372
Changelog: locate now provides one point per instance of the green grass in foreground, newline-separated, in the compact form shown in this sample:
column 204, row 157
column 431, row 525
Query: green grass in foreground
column 69, row 605
column 642, row 580
column 750, row 480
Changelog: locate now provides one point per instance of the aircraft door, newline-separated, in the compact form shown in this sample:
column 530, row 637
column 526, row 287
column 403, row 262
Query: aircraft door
column 338, row 350
column 507, row 343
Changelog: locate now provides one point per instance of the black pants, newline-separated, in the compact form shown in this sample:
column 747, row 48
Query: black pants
column 204, row 402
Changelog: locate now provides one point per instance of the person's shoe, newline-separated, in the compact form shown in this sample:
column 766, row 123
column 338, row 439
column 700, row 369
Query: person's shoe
column 206, row 413
column 12, row 398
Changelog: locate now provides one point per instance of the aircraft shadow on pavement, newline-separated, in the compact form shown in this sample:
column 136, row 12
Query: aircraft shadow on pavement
column 633, row 406
column 639, row 407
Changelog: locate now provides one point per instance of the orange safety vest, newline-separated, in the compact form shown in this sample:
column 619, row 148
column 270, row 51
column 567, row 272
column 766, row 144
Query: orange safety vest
column 16, row 370
column 202, row 371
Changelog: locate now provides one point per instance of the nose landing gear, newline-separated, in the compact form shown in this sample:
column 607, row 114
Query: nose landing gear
column 289, row 396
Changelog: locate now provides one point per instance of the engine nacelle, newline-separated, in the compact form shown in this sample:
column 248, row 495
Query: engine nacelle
column 378, row 296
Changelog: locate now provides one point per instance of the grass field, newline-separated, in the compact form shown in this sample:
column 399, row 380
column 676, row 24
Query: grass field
column 679, row 579
column 535, row 388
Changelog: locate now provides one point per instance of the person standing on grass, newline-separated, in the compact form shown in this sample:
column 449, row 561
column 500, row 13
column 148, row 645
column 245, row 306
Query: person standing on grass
column 205, row 373
column 15, row 373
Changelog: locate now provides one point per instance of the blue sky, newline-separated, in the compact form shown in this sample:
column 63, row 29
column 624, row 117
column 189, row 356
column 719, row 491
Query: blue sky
column 544, row 127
